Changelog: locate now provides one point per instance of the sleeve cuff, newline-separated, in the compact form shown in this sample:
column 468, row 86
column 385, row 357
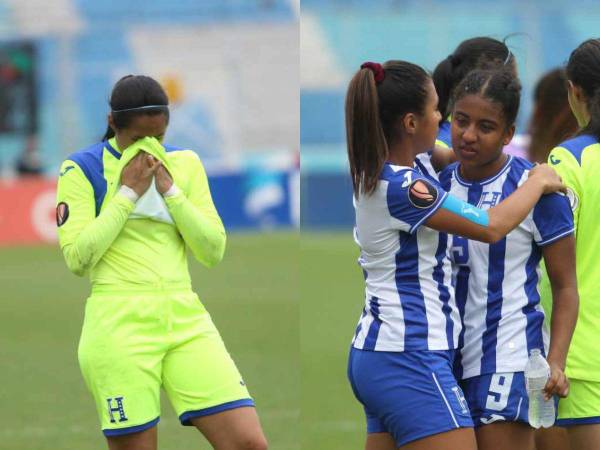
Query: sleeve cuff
column 129, row 193
column 172, row 192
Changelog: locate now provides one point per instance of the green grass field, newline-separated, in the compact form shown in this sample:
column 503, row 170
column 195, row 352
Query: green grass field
column 332, row 292
column 253, row 297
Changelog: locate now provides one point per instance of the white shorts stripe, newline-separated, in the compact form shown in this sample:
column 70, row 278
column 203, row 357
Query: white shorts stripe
column 519, row 408
column 445, row 400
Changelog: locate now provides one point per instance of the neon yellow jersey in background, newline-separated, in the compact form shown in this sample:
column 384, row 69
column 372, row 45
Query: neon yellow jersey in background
column 577, row 161
column 99, row 233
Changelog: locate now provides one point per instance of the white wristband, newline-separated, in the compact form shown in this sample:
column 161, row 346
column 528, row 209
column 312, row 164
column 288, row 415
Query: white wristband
column 172, row 192
column 129, row 193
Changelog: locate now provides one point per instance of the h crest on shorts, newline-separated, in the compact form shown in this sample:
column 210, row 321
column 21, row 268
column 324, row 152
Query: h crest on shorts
column 118, row 408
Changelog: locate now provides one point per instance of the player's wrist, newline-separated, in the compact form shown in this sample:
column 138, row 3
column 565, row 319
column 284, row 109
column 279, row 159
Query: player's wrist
column 129, row 193
column 172, row 191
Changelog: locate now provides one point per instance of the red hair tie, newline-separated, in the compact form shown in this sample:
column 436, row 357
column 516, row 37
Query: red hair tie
column 377, row 70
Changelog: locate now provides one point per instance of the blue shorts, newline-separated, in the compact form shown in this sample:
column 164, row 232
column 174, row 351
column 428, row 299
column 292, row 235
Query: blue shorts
column 410, row 395
column 497, row 397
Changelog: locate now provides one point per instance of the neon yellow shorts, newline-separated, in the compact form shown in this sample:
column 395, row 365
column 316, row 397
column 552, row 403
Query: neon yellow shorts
column 582, row 406
column 133, row 344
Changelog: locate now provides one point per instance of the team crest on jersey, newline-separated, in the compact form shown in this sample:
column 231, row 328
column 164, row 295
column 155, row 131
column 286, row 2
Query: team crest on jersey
column 62, row 213
column 573, row 199
column 422, row 194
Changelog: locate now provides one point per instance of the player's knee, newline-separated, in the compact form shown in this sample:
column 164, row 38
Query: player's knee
column 254, row 443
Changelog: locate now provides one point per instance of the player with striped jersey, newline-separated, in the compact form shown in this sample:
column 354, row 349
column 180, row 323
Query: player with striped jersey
column 400, row 365
column 497, row 284
column 578, row 162
column 473, row 53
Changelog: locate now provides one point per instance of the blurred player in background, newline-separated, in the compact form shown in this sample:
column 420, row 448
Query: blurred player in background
column 577, row 160
column 552, row 121
column 496, row 284
column 400, row 364
column 473, row 53
column 128, row 207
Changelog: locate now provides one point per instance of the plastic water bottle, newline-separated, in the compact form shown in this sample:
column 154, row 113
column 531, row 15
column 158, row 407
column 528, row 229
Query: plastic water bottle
column 537, row 372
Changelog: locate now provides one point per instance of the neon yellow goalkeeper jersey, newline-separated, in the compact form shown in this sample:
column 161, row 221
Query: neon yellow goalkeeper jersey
column 577, row 161
column 101, row 232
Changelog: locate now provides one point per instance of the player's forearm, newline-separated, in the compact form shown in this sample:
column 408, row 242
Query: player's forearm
column 509, row 213
column 202, row 231
column 565, row 307
column 97, row 236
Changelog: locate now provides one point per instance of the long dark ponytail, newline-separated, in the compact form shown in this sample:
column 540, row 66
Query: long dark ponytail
column 135, row 91
column 475, row 53
column 583, row 69
column 377, row 97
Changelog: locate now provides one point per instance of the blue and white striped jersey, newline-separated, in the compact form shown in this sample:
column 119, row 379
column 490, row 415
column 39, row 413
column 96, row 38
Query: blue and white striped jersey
column 497, row 284
column 423, row 165
column 409, row 300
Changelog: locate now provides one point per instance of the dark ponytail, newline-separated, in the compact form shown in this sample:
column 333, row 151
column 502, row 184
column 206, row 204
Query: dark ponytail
column 583, row 69
column 377, row 97
column 471, row 54
column 135, row 91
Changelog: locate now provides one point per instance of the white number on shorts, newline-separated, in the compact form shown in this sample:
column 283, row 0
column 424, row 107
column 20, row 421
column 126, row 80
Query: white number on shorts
column 498, row 391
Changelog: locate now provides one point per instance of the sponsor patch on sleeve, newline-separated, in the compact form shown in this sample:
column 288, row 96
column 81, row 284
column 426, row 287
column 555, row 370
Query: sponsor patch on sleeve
column 422, row 194
column 62, row 213
column 573, row 199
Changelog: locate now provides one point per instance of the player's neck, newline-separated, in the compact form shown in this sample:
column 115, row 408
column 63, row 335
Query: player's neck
column 119, row 145
column 401, row 154
column 483, row 172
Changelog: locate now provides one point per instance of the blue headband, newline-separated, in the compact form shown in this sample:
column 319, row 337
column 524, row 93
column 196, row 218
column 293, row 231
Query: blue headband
column 142, row 108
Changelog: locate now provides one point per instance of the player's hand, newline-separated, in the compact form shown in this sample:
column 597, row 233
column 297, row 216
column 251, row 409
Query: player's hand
column 558, row 383
column 163, row 180
column 138, row 172
column 547, row 176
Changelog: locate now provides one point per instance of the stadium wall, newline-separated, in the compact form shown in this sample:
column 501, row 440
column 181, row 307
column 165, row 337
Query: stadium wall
column 245, row 200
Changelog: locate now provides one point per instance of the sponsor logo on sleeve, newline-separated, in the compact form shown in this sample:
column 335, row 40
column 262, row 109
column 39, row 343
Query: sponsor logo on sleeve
column 66, row 170
column 422, row 194
column 554, row 160
column 467, row 209
column 573, row 199
column 62, row 213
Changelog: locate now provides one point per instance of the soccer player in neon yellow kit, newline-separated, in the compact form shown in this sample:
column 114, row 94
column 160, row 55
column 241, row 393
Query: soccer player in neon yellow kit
column 577, row 161
column 127, row 209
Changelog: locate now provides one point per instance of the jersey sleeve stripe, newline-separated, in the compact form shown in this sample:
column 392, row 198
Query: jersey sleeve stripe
column 556, row 237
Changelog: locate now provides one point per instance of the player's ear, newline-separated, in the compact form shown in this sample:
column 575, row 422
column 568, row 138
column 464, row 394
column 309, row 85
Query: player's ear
column 575, row 91
column 409, row 122
column 111, row 122
column 508, row 135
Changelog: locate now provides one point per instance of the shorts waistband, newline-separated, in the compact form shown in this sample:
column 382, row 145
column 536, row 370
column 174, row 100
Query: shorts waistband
column 146, row 288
